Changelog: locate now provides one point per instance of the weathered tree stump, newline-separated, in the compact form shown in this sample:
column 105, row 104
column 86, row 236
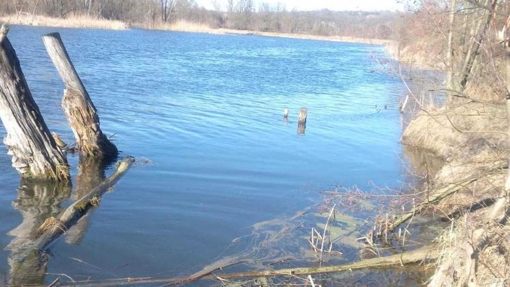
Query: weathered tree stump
column 78, row 107
column 303, row 113
column 29, row 141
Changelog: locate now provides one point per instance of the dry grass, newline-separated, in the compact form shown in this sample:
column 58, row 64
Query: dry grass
column 72, row 21
column 83, row 21
column 310, row 37
column 466, row 262
column 182, row 26
column 471, row 132
column 471, row 139
column 186, row 26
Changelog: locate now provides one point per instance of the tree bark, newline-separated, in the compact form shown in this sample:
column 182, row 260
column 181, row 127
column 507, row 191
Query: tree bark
column 29, row 141
column 78, row 107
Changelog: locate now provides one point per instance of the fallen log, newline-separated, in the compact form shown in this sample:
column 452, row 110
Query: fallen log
column 53, row 228
column 436, row 197
column 409, row 257
column 78, row 107
column 91, row 172
column 424, row 254
column 29, row 141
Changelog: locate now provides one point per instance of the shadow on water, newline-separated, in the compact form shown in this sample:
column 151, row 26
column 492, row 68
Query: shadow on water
column 38, row 201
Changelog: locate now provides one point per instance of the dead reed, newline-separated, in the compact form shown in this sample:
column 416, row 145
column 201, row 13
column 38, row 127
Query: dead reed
column 71, row 21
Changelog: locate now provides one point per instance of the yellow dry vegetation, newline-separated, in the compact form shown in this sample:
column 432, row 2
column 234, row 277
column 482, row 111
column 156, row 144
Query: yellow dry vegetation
column 72, row 21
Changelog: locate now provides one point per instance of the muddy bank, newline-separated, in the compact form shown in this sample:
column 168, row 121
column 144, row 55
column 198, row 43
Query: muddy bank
column 471, row 141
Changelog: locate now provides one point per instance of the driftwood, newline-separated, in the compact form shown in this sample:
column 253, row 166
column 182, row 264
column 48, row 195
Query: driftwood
column 29, row 141
column 444, row 192
column 37, row 201
column 91, row 173
column 78, row 107
column 423, row 254
column 54, row 228
column 436, row 197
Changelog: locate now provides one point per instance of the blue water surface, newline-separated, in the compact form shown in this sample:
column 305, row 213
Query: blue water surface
column 206, row 112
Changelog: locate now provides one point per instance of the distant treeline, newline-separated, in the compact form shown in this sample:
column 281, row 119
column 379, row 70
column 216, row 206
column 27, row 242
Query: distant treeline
column 239, row 14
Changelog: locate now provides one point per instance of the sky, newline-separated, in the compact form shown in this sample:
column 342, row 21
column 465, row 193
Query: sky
column 334, row 5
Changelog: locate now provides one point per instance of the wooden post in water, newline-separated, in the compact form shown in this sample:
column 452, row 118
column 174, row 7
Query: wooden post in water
column 78, row 107
column 29, row 141
column 302, row 116
column 303, row 112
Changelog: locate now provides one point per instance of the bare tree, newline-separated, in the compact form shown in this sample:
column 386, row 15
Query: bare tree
column 167, row 8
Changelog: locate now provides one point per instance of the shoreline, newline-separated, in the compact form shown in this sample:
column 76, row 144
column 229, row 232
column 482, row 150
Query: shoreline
column 75, row 21
column 86, row 22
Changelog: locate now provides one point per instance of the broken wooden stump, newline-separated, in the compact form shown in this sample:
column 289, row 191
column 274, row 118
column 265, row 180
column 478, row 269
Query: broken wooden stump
column 29, row 141
column 78, row 107
column 303, row 113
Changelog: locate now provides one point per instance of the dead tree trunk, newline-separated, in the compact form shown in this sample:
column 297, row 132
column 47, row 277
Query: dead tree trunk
column 29, row 141
column 78, row 107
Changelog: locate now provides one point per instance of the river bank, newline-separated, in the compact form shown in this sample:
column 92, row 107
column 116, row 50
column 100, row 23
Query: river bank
column 83, row 21
column 75, row 21
column 469, row 137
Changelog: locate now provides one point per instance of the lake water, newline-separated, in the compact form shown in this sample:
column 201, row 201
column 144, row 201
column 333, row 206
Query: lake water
column 204, row 115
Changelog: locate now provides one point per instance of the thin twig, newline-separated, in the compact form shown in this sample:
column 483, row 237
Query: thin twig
column 311, row 280
column 324, row 234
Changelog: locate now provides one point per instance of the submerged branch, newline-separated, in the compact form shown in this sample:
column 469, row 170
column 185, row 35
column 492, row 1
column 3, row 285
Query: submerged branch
column 409, row 257
column 80, row 207
column 427, row 253
column 437, row 196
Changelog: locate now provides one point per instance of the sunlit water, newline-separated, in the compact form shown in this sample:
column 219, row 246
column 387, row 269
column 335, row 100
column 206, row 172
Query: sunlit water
column 206, row 110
